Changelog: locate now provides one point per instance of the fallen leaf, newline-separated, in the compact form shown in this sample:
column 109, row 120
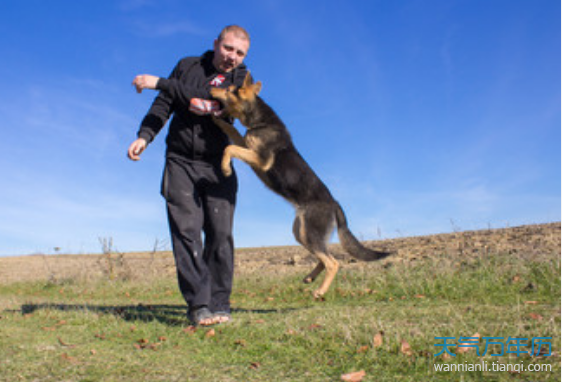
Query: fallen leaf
column 543, row 351
column 259, row 322
column 354, row 377
column 65, row 344
column 255, row 365
column 314, row 326
column 535, row 316
column 190, row 329
column 419, row 296
column 240, row 343
column 162, row 339
column 142, row 341
column 70, row 359
column 516, row 279
column 378, row 339
column 531, row 302
column 363, row 349
column 210, row 333
column 405, row 348
column 93, row 352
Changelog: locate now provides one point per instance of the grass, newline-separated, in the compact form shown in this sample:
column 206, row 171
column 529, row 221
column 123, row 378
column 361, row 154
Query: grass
column 127, row 330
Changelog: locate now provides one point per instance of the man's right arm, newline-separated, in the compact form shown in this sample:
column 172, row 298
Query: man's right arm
column 160, row 111
column 197, row 100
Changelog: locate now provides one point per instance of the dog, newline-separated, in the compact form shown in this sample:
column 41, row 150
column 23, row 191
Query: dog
column 268, row 148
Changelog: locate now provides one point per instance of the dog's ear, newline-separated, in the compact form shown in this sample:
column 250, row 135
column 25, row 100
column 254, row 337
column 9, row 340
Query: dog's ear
column 257, row 87
column 247, row 80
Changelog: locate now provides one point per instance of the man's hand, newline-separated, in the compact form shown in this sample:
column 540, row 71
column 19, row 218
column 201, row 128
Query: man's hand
column 136, row 149
column 204, row 106
column 145, row 81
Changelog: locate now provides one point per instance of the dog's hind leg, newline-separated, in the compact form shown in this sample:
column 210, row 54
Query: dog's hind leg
column 314, row 274
column 299, row 231
column 312, row 228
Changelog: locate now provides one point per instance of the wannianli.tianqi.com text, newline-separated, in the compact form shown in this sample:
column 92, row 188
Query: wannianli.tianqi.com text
column 486, row 366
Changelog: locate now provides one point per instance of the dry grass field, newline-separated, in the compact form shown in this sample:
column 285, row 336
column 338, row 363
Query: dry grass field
column 530, row 241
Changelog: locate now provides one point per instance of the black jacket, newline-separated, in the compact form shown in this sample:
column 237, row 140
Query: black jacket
column 190, row 136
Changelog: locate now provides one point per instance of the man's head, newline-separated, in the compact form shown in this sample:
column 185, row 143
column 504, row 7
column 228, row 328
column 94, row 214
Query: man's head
column 231, row 47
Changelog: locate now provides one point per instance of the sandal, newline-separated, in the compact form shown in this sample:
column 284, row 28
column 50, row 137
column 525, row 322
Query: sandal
column 200, row 314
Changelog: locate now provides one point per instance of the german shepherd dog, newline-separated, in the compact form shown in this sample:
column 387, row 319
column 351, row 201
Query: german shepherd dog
column 268, row 148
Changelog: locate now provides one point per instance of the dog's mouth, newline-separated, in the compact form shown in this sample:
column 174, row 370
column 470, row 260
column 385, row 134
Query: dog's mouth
column 228, row 100
column 219, row 94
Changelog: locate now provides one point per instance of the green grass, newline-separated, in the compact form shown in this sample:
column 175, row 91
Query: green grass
column 120, row 330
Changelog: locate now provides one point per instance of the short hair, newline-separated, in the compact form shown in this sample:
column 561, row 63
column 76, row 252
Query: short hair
column 237, row 30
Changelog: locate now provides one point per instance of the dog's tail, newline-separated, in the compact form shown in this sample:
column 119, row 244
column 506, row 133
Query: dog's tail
column 350, row 243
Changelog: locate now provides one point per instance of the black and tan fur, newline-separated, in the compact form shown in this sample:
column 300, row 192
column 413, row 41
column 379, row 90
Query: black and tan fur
column 268, row 148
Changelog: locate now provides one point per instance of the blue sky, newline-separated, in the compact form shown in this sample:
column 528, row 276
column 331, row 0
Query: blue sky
column 421, row 116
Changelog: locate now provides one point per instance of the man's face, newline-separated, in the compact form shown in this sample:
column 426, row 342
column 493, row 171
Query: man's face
column 230, row 52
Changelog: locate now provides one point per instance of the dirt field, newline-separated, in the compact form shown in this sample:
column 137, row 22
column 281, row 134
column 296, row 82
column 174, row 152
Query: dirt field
column 533, row 241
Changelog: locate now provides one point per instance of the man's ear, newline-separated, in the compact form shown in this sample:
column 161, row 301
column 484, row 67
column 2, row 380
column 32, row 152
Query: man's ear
column 257, row 87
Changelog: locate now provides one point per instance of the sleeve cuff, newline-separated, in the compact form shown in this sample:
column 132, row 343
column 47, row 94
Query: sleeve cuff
column 163, row 84
column 146, row 136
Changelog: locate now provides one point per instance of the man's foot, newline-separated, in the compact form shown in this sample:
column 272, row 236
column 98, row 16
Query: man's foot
column 222, row 317
column 202, row 316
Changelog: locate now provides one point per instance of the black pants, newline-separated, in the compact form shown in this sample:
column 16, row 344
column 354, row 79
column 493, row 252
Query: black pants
column 201, row 200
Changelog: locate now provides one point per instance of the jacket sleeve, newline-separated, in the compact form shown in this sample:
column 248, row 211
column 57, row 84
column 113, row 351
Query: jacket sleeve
column 180, row 92
column 162, row 107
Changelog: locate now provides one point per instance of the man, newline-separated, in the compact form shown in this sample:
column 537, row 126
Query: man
column 199, row 198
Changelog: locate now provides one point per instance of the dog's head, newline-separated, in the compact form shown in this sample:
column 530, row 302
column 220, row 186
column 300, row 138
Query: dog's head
column 239, row 101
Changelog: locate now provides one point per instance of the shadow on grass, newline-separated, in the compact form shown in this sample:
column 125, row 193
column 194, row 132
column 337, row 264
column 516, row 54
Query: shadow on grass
column 173, row 315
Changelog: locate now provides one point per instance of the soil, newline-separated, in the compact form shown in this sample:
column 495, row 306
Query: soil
column 530, row 241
